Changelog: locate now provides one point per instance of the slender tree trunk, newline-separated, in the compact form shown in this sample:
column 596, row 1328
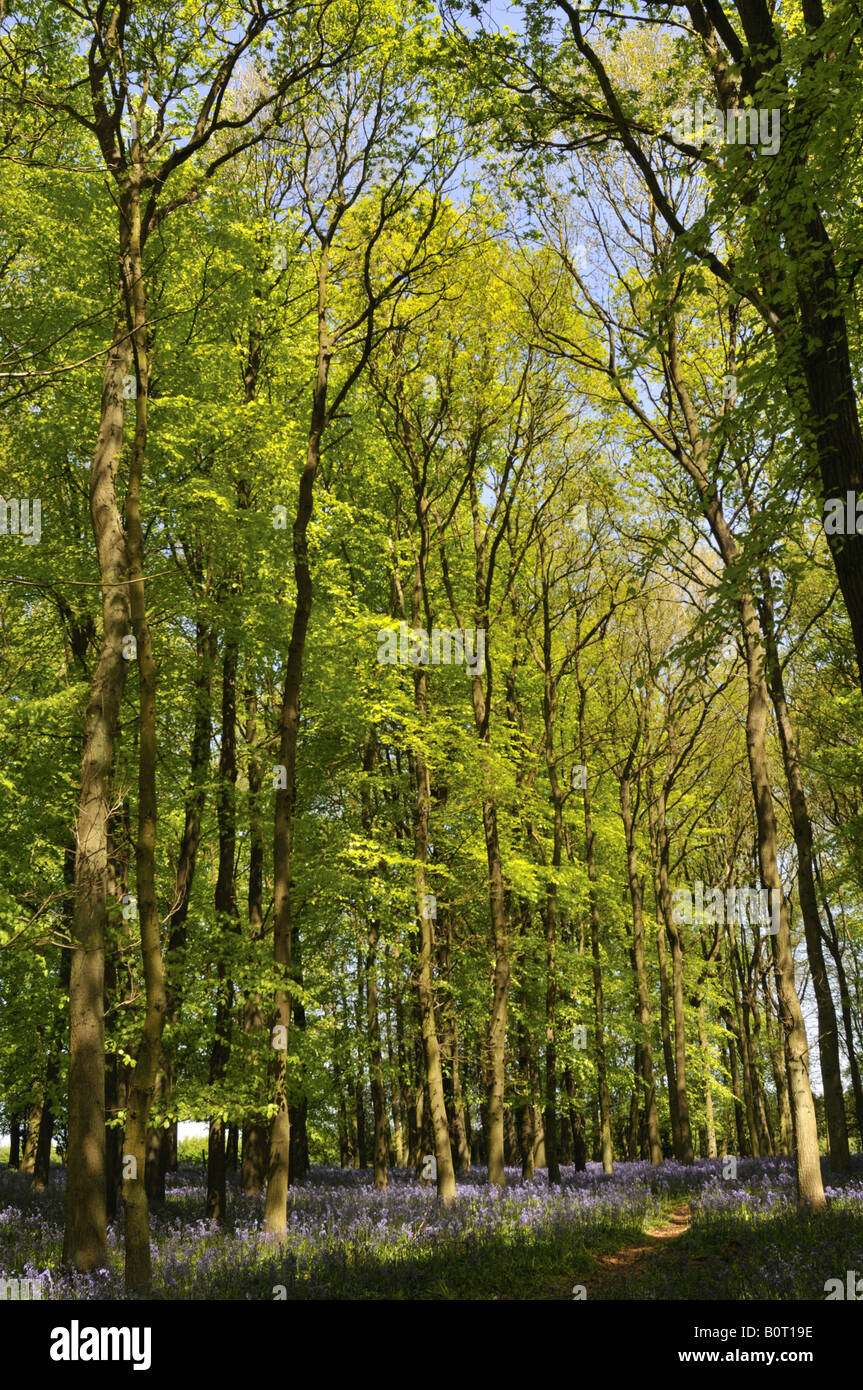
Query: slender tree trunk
column 148, row 1055
column 739, row 1108
column 500, row 943
column 576, row 1119
column 710, row 1123
column 14, row 1141
column 404, row 1079
column 449, row 1048
column 227, row 924
column 539, row 1155
column 380, row 1148
column 755, row 1135
column 549, row 708
column 500, row 996
column 636, row 894
column 362, row 1152
column 810, row 1188
column 604, row 1096
column 345, row 1152
column 232, row 1148
column 393, row 1067
column 298, row 1153
column 828, row 1029
column 42, row 1158
column 84, row 1239
column 184, row 877
column 665, row 1028
column 524, row 1109
column 780, row 1081
column 685, row 1152
column 431, row 1047
column 280, row 1132
column 253, row 1174
column 31, row 1143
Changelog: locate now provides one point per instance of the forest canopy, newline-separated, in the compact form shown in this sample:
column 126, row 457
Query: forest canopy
column 431, row 595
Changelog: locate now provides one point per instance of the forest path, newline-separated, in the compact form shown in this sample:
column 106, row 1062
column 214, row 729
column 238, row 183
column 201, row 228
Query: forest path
column 613, row 1270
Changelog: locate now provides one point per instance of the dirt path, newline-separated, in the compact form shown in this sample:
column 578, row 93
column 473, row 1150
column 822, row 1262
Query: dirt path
column 612, row 1271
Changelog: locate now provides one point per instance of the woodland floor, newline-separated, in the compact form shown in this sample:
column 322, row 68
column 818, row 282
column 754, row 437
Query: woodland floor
column 668, row 1233
column 615, row 1272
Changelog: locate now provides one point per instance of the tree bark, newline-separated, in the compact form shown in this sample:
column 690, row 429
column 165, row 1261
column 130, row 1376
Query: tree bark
column 227, row 924
column 84, row 1238
column 380, row 1146
column 280, row 1132
column 810, row 1188
column 148, row 1054
column 606, row 1142
column 636, row 894
column 828, row 1028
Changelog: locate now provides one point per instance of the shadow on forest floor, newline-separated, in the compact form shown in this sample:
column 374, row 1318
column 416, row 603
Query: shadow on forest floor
column 779, row 1255
column 669, row 1233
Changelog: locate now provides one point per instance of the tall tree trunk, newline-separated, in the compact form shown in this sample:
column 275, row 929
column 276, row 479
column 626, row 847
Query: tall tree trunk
column 758, row 1138
column 524, row 1108
column 549, row 710
column 498, row 908
column 42, row 1157
column 828, row 1029
column 380, row 1147
column 500, row 996
column 227, row 924
column 345, row 1152
column 404, row 1081
column 34, row 1124
column 362, row 1153
column 636, row 894
column 232, row 1148
column 14, row 1141
column 684, row 1152
column 393, row 1067
column 431, row 1047
column 298, row 1155
column 148, row 1053
column 810, row 1188
column 780, row 1079
column 710, row 1123
column 576, row 1120
column 276, row 1212
column 184, row 877
column 665, row 1026
column 449, row 1049
column 436, row 1115
column 84, row 1237
column 733, row 1041
column 603, row 1095
column 253, row 1174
